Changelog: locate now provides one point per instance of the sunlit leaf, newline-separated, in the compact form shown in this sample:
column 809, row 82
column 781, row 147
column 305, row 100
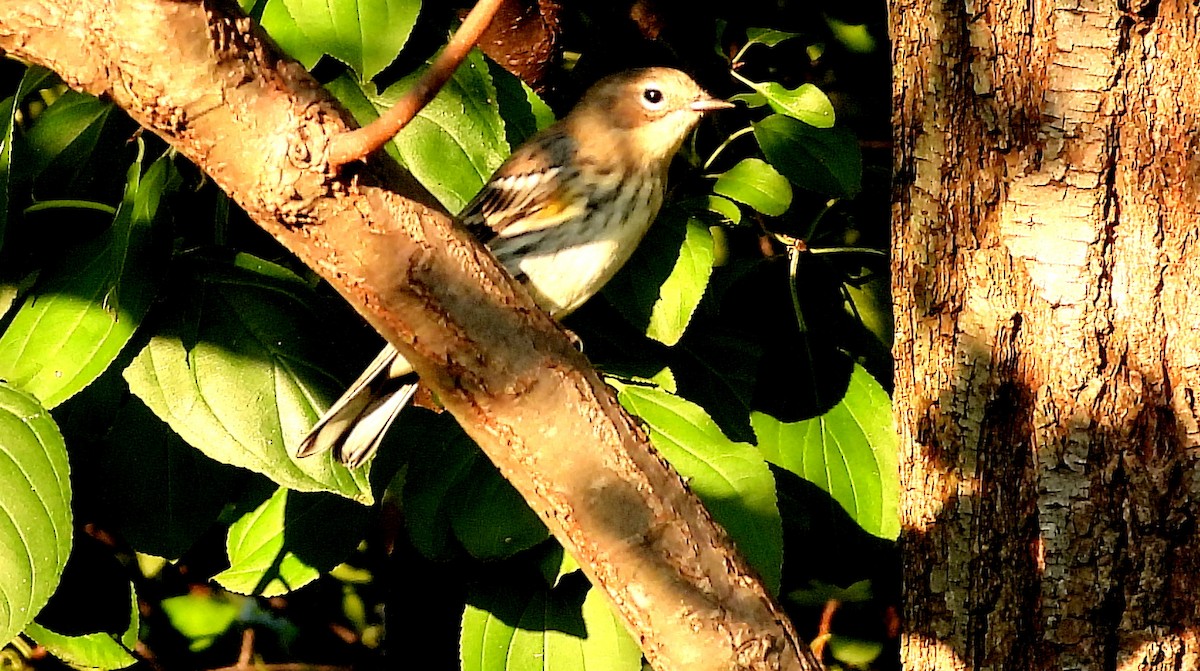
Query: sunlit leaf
column 660, row 287
column 806, row 103
column 35, row 509
column 364, row 34
column 456, row 141
column 850, row 452
column 288, row 541
column 202, row 617
column 755, row 183
column 512, row 627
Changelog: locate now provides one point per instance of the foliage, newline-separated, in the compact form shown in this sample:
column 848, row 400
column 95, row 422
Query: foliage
column 175, row 355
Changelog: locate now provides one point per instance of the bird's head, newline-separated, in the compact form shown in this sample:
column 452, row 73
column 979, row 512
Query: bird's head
column 644, row 113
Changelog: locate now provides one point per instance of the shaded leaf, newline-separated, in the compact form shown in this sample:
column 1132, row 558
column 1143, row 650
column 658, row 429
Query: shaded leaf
column 65, row 137
column 850, row 452
column 453, row 491
column 146, row 479
column 10, row 107
column 823, row 160
column 767, row 36
column 725, row 208
column 523, row 111
column 855, row 37
column 35, row 509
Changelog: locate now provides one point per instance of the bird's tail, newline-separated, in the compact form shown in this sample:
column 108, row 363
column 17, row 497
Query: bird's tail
column 355, row 424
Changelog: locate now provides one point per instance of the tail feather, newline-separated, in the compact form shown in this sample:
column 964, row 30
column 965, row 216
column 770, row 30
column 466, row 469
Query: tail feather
column 355, row 424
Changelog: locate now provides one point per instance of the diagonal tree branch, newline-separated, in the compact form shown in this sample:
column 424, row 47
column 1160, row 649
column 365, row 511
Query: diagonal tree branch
column 203, row 78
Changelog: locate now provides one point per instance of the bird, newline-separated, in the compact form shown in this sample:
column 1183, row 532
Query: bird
column 562, row 214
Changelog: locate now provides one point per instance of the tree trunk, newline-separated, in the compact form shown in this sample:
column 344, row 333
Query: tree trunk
column 1047, row 341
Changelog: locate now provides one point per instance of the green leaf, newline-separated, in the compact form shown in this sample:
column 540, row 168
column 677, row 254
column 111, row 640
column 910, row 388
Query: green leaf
column 661, row 285
column 279, row 24
column 10, row 109
column 238, row 369
column 720, row 372
column 725, row 208
column 523, row 111
column 364, row 34
column 823, row 160
column 806, row 103
column 453, row 490
column 818, row 593
column 767, row 36
column 752, row 100
column 289, row 541
column 508, row 627
column 850, row 452
column 755, row 183
column 95, row 650
column 35, row 509
column 202, row 617
column 855, row 652
column 65, row 136
column 855, row 37
column 731, row 478
column 77, row 319
column 145, row 479
column 458, row 140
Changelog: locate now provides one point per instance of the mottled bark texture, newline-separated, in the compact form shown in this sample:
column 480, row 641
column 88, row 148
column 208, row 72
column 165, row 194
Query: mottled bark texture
column 1046, row 208
column 205, row 81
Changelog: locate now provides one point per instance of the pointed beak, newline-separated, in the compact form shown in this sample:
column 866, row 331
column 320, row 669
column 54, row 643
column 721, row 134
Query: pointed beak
column 709, row 104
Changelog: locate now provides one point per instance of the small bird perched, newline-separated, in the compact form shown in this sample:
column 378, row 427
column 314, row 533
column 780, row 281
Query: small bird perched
column 562, row 214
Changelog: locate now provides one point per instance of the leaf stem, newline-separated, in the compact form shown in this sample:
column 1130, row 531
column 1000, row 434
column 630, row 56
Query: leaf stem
column 747, row 82
column 812, row 227
column 66, row 204
column 850, row 250
column 726, row 143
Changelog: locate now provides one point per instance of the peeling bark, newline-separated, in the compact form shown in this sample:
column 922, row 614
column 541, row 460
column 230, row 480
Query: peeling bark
column 1047, row 345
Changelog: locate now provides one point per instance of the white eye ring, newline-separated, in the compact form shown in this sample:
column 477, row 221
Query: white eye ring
column 652, row 97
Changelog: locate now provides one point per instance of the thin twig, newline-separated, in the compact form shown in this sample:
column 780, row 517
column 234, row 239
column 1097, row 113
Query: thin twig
column 246, row 654
column 359, row 144
column 825, row 629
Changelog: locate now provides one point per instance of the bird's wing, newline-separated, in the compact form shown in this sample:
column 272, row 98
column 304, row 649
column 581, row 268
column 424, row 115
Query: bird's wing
column 532, row 191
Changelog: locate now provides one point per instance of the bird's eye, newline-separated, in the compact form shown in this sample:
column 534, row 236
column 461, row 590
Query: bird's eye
column 652, row 97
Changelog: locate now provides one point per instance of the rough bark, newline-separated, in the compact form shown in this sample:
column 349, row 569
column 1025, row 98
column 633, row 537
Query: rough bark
column 1047, row 340
column 206, row 81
